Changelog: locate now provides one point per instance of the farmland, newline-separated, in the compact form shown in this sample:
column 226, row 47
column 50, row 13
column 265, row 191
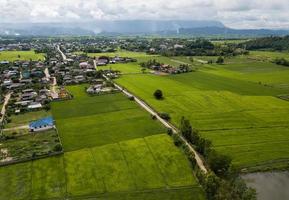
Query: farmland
column 235, row 105
column 88, row 172
column 20, row 55
column 100, row 120
column 112, row 150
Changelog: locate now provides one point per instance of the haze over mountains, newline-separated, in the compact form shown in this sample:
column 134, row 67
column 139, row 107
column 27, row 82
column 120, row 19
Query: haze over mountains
column 134, row 27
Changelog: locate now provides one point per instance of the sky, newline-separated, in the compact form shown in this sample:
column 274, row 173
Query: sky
column 233, row 13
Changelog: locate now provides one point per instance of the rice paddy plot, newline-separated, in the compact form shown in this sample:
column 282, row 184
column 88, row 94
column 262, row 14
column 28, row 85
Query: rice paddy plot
column 21, row 55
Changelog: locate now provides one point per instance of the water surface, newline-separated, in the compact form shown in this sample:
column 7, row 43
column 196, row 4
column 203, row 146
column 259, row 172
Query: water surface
column 269, row 185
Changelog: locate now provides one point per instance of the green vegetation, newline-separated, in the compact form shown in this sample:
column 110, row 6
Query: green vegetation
column 100, row 120
column 25, row 118
column 21, row 55
column 129, row 169
column 229, row 104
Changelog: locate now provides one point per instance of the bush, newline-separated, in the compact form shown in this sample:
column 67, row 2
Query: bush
column 170, row 132
column 165, row 116
column 177, row 140
column 57, row 147
column 158, row 94
column 220, row 60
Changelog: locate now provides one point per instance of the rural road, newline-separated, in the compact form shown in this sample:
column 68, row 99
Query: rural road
column 53, row 85
column 199, row 160
column 62, row 54
column 7, row 98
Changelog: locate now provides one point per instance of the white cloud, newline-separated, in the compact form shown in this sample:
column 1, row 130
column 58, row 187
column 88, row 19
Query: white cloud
column 235, row 13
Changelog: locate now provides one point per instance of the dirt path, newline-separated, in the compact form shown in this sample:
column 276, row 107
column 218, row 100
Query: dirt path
column 198, row 158
column 16, row 128
column 201, row 61
column 3, row 111
column 180, row 62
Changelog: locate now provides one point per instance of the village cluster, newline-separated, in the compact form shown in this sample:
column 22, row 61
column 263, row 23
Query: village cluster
column 28, row 87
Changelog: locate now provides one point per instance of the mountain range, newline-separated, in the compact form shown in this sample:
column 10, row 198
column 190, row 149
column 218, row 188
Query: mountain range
column 134, row 27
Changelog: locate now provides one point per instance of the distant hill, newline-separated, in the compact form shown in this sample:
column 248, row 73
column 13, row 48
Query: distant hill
column 95, row 27
column 135, row 27
column 273, row 43
column 229, row 32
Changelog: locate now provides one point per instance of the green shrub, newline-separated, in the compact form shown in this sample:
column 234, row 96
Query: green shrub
column 57, row 147
column 158, row 94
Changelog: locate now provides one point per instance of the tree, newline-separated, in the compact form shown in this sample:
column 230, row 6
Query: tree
column 186, row 128
column 219, row 163
column 220, row 60
column 158, row 94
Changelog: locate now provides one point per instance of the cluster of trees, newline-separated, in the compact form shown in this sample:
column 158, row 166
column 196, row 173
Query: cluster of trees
column 273, row 43
column 281, row 61
column 182, row 47
column 149, row 63
column 223, row 182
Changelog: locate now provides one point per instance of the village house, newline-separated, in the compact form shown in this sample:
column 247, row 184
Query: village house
column 42, row 124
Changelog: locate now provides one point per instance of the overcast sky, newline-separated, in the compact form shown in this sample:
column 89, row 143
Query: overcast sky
column 233, row 13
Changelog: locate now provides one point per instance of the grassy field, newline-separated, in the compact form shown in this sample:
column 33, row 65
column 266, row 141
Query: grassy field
column 234, row 105
column 24, row 119
column 100, row 120
column 133, row 169
column 127, row 68
column 20, row 55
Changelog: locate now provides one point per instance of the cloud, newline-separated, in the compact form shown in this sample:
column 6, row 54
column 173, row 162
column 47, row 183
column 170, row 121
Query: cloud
column 235, row 13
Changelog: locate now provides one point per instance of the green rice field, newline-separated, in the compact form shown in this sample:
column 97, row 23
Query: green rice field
column 133, row 169
column 235, row 105
column 21, row 55
column 100, row 120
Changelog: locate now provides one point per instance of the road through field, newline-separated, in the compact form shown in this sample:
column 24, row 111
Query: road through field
column 7, row 98
column 165, row 123
column 198, row 158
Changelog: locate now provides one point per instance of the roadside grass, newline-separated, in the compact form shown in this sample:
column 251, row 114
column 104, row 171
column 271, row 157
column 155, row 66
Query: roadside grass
column 100, row 120
column 126, row 170
column 21, row 55
column 25, row 118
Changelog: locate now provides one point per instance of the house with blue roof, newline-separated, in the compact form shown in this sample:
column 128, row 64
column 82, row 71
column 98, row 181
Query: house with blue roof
column 42, row 124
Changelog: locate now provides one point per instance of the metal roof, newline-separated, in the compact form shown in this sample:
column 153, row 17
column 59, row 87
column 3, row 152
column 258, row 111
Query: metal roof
column 47, row 121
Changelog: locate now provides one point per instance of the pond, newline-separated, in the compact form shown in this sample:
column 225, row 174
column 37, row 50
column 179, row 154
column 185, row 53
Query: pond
column 269, row 185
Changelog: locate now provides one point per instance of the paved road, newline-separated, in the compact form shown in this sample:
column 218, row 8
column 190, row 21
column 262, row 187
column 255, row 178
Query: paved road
column 3, row 111
column 62, row 54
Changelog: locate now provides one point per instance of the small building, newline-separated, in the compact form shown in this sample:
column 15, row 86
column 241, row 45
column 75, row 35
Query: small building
column 42, row 124
column 35, row 105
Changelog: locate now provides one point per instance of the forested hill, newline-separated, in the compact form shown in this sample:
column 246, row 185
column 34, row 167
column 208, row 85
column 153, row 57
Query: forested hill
column 229, row 32
column 274, row 43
